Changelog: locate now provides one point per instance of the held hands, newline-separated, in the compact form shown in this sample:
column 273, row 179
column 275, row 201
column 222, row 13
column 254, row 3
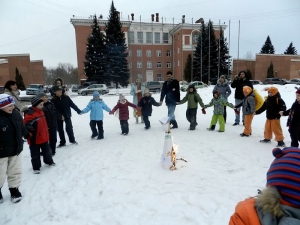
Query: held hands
column 138, row 108
column 138, row 91
column 280, row 113
column 160, row 103
column 203, row 111
column 236, row 111
column 111, row 113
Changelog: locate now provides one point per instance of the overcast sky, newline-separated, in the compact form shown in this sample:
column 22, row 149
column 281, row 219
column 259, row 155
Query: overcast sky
column 42, row 28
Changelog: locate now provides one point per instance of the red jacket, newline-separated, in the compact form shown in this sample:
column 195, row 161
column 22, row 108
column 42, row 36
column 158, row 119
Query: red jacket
column 36, row 123
column 123, row 109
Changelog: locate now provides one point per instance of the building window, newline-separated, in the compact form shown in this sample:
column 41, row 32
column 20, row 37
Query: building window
column 165, row 38
column 158, row 64
column 168, row 64
column 129, row 65
column 148, row 53
column 195, row 38
column 149, row 64
column 129, row 53
column 157, row 37
column 139, row 64
column 148, row 37
column 168, row 53
column 139, row 53
column 178, row 50
column 159, row 78
column 140, row 37
column 158, row 53
column 131, row 37
column 178, row 63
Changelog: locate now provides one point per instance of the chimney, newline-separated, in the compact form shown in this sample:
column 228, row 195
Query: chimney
column 183, row 19
column 132, row 16
column 101, row 17
column 157, row 17
column 152, row 17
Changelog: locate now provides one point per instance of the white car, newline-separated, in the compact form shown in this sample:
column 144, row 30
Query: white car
column 101, row 88
column 197, row 84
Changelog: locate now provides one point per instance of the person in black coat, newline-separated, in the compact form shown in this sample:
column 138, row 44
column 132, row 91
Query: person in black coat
column 146, row 103
column 63, row 105
column 11, row 145
column 238, row 83
column 171, row 91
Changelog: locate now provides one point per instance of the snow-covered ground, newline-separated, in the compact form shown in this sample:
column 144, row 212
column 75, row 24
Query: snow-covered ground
column 118, row 180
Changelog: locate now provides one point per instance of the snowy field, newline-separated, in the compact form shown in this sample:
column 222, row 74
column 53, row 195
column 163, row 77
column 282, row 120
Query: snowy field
column 118, row 180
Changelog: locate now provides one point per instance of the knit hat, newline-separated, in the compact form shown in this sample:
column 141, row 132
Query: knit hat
column 272, row 90
column 6, row 100
column 247, row 90
column 41, row 94
column 56, row 88
column 96, row 94
column 298, row 91
column 284, row 174
column 35, row 101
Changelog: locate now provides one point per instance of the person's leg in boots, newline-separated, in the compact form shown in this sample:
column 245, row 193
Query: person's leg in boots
column 93, row 128
column 193, row 118
column 126, row 127
column 35, row 158
column 171, row 115
column 247, row 127
column 237, row 116
column 213, row 122
column 100, row 129
column 277, row 130
column 69, row 130
column 122, row 126
column 147, row 122
column 53, row 139
column 188, row 115
column 47, row 156
column 3, row 174
column 267, row 132
column 61, row 133
column 221, row 122
column 294, row 137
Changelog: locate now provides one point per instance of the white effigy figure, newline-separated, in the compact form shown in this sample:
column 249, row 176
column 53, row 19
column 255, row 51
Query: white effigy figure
column 168, row 158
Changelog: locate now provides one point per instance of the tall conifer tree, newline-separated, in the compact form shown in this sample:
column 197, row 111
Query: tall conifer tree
column 19, row 80
column 291, row 50
column 267, row 48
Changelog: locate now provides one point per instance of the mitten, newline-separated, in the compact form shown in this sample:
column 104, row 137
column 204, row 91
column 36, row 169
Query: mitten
column 237, row 112
column 203, row 111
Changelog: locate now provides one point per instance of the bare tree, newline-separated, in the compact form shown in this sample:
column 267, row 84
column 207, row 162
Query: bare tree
column 249, row 55
column 66, row 71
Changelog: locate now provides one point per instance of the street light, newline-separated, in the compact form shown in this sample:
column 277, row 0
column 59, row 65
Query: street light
column 192, row 47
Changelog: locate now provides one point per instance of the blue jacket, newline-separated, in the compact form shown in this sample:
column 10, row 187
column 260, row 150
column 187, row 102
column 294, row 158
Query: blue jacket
column 96, row 107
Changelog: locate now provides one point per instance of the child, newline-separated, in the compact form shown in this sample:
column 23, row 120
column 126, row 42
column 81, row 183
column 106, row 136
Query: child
column 273, row 105
column 248, row 107
column 96, row 106
column 122, row 105
column 293, row 121
column 36, row 123
column 146, row 103
column 11, row 144
column 218, row 102
column 192, row 97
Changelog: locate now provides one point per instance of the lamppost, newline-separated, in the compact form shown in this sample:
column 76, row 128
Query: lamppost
column 192, row 47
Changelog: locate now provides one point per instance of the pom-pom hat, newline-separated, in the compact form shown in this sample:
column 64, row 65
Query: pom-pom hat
column 6, row 100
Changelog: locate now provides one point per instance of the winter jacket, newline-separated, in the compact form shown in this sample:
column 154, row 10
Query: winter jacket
column 238, row 84
column 134, row 88
column 146, row 103
column 35, row 122
column 123, row 109
column 272, row 105
column 192, row 98
column 223, row 88
column 219, row 104
column 248, row 104
column 294, row 115
column 50, row 114
column 11, row 131
column 96, row 107
column 63, row 105
column 171, row 91
column 15, row 95
column 266, row 209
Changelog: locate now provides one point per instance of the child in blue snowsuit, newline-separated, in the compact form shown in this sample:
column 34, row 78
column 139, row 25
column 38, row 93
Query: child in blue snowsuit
column 96, row 106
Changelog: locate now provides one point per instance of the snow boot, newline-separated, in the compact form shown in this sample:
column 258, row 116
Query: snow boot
column 244, row 135
column 211, row 128
column 15, row 195
column 265, row 141
column 1, row 198
column 93, row 136
column 100, row 136
column 280, row 144
column 235, row 124
column 174, row 124
column 60, row 145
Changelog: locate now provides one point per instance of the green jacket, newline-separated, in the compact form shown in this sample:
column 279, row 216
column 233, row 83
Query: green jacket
column 219, row 104
column 190, row 97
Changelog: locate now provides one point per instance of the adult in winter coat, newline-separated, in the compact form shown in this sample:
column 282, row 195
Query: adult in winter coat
column 96, row 106
column 137, row 91
column 248, row 106
column 51, row 118
column 60, row 83
column 193, row 98
column 36, row 123
column 279, row 203
column 222, row 86
column 146, row 103
column 293, row 122
column 11, row 145
column 11, row 89
column 122, row 106
column 238, row 83
column 63, row 105
column 171, row 91
column 273, row 105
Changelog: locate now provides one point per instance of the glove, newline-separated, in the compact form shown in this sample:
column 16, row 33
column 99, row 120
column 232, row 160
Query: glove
column 237, row 112
column 203, row 111
column 111, row 113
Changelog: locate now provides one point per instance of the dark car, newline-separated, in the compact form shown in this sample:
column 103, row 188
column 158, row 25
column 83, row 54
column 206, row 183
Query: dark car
column 294, row 81
column 254, row 82
column 1, row 89
column 153, row 86
column 274, row 81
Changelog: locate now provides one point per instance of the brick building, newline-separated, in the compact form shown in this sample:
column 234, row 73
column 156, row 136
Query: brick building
column 154, row 47
column 31, row 71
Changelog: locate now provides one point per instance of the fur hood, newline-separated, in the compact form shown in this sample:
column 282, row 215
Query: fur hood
column 60, row 79
column 219, row 83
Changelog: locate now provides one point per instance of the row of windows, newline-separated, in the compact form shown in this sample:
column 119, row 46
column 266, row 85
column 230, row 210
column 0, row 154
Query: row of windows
column 149, row 53
column 149, row 37
column 139, row 64
column 158, row 77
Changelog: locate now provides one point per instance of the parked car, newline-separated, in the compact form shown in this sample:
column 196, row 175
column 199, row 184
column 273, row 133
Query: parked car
column 153, row 86
column 197, row 84
column 183, row 82
column 1, row 89
column 89, row 83
column 34, row 89
column 75, row 88
column 294, row 81
column 274, row 81
column 101, row 88
column 254, row 82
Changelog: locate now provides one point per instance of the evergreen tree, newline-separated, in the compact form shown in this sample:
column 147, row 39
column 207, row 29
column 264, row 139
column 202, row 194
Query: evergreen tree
column 224, row 55
column 291, row 50
column 267, row 48
column 270, row 72
column 117, row 64
column 19, row 80
column 188, row 68
column 95, row 64
column 198, row 54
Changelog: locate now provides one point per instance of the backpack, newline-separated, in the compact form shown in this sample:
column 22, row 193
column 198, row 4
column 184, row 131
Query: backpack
column 259, row 101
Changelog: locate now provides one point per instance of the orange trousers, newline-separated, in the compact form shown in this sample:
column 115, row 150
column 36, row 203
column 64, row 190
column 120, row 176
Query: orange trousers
column 248, row 121
column 273, row 126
